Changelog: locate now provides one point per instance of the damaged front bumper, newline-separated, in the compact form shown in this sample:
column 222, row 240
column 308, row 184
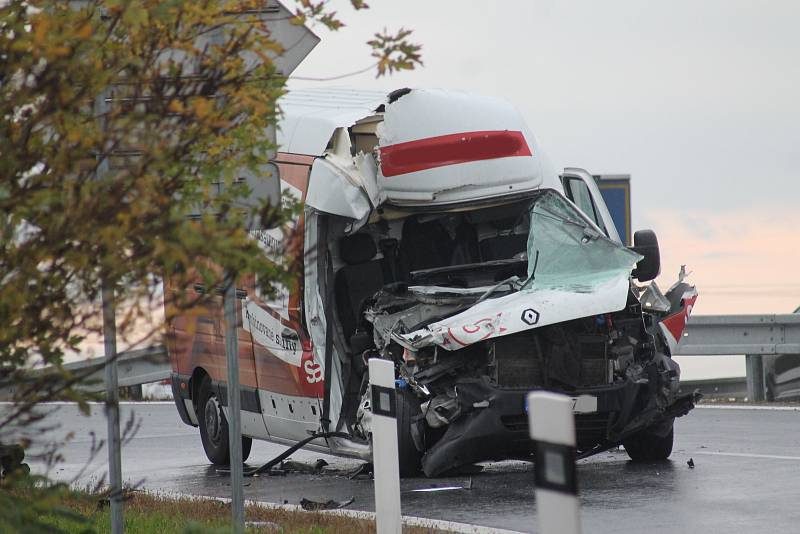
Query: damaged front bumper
column 498, row 428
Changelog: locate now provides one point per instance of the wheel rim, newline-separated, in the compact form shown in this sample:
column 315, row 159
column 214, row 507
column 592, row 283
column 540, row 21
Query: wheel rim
column 213, row 418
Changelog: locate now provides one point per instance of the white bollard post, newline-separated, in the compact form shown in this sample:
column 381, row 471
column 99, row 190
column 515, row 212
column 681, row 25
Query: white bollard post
column 552, row 427
column 384, row 446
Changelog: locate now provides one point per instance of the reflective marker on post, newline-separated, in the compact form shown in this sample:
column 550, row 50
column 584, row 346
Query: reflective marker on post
column 552, row 427
column 384, row 446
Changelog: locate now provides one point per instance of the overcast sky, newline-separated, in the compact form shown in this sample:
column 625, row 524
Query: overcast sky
column 698, row 101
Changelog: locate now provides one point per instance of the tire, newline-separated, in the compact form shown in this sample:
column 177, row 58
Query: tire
column 649, row 447
column 214, row 427
column 408, row 455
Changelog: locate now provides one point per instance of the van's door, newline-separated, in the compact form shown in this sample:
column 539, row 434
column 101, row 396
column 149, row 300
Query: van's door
column 582, row 190
column 289, row 381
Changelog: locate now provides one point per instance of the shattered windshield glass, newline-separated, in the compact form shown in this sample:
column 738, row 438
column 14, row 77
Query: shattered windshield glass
column 567, row 252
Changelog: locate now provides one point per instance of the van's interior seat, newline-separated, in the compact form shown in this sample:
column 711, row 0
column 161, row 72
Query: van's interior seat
column 358, row 280
column 423, row 246
column 503, row 247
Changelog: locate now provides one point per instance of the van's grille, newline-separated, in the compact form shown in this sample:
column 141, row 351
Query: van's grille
column 579, row 362
column 518, row 361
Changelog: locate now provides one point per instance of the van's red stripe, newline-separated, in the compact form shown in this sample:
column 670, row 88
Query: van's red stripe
column 442, row 150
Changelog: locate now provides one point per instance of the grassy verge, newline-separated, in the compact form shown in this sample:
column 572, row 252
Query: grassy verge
column 29, row 508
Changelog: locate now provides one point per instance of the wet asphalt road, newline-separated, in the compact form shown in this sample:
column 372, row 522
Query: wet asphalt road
column 746, row 479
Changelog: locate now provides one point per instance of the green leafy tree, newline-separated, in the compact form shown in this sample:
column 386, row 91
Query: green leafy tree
column 163, row 99
column 118, row 118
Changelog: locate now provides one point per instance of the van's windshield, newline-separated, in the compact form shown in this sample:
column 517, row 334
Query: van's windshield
column 567, row 251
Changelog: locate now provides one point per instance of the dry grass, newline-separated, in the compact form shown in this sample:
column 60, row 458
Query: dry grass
column 146, row 512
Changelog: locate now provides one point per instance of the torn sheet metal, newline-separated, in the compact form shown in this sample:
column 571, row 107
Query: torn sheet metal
column 682, row 298
column 653, row 299
column 524, row 310
column 310, row 116
column 332, row 188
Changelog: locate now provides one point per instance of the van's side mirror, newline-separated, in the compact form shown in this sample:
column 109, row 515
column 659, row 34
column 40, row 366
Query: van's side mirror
column 645, row 243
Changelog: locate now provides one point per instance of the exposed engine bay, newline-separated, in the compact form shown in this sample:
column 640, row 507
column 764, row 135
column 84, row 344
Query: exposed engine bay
column 478, row 306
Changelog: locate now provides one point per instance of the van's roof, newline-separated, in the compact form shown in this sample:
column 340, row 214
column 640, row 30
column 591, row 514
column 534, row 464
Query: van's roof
column 433, row 146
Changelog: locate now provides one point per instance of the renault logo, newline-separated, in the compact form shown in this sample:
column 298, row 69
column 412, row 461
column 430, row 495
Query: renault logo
column 530, row 316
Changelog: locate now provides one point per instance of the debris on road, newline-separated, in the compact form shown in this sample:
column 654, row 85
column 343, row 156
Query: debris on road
column 294, row 466
column 330, row 504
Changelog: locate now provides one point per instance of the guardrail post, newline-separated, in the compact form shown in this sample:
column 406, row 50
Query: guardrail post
column 135, row 392
column 755, row 377
column 552, row 428
column 384, row 446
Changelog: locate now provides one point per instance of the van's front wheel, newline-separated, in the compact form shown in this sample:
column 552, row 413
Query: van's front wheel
column 214, row 427
column 408, row 455
column 649, row 446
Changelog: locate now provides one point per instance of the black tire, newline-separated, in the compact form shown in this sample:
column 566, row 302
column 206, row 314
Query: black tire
column 408, row 455
column 214, row 427
column 649, row 447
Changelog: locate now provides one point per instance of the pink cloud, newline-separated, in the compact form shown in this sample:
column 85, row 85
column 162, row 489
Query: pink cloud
column 743, row 262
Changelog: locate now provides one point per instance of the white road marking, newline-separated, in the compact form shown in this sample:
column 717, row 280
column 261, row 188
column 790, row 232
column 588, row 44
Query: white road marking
column 743, row 407
column 443, row 488
column 750, row 455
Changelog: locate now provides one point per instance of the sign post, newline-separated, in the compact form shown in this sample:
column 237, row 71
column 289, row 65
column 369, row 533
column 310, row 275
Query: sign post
column 384, row 447
column 552, row 428
column 112, row 409
column 100, row 110
column 298, row 41
column 234, row 405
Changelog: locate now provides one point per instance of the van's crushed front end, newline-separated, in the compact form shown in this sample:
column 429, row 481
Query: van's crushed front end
column 472, row 340
column 441, row 240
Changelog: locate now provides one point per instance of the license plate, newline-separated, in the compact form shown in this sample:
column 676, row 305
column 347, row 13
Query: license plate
column 580, row 404
column 584, row 404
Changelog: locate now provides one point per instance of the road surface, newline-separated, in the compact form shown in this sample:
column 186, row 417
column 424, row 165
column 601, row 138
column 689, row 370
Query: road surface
column 746, row 477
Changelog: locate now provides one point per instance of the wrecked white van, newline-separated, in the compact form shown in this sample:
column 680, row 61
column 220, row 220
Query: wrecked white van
column 437, row 235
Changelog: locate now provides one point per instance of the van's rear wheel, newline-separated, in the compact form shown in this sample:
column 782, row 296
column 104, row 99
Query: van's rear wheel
column 647, row 446
column 214, row 427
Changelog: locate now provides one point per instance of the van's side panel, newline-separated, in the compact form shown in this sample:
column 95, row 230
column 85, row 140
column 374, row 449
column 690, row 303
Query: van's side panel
column 196, row 339
column 290, row 381
column 273, row 372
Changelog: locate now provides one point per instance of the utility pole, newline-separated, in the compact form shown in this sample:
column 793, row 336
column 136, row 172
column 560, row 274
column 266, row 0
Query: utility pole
column 110, row 343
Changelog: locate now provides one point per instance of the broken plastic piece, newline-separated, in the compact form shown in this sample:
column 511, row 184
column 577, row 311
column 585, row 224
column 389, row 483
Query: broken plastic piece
column 293, row 466
column 330, row 504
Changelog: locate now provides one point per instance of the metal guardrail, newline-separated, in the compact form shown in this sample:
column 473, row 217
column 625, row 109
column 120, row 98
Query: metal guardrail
column 750, row 335
column 735, row 387
column 705, row 335
column 711, row 335
column 135, row 367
